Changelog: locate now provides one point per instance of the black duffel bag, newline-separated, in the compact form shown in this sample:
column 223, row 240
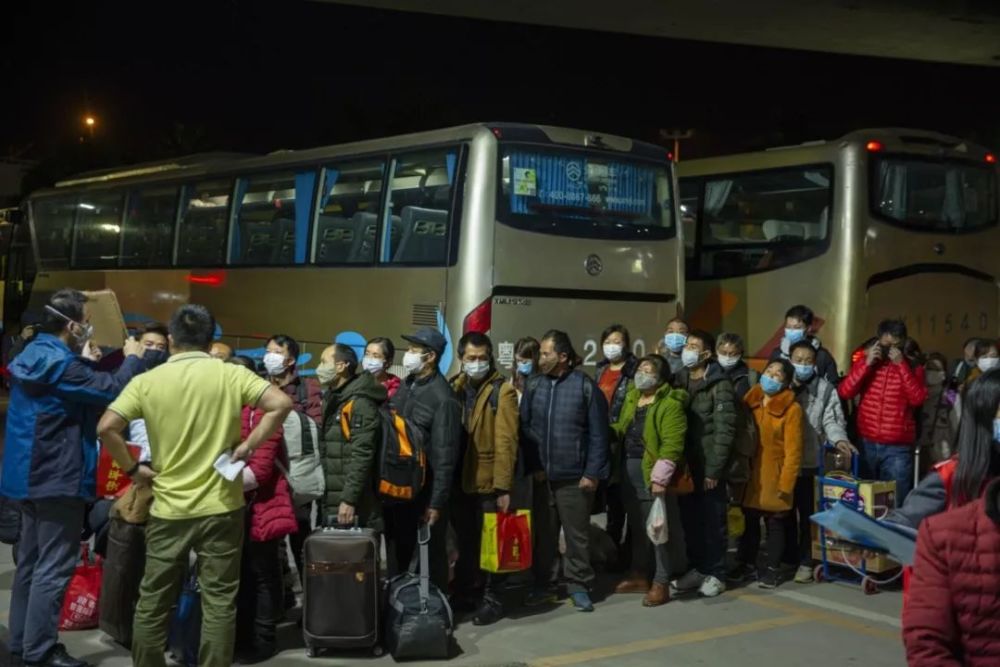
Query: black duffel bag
column 419, row 621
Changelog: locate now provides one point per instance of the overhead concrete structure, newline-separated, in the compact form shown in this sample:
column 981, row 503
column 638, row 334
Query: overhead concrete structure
column 965, row 32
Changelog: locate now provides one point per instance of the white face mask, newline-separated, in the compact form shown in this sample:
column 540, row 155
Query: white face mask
column 690, row 358
column 274, row 363
column 413, row 362
column 612, row 351
column 372, row 365
column 476, row 370
column 728, row 361
column 326, row 373
column 987, row 363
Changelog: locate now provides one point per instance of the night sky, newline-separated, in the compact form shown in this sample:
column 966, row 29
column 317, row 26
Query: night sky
column 165, row 79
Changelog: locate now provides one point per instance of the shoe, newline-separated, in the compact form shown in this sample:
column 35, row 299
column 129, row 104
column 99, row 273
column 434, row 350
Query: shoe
column 582, row 601
column 771, row 579
column 488, row 613
column 741, row 573
column 712, row 587
column 804, row 575
column 689, row 582
column 58, row 657
column 658, row 595
column 634, row 583
column 541, row 596
column 255, row 657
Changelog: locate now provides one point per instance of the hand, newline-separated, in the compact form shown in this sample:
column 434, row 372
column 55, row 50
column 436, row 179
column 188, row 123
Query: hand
column 143, row 476
column 658, row 489
column 895, row 355
column 132, row 348
column 431, row 516
column 587, row 484
column 874, row 354
column 846, row 448
column 241, row 453
column 710, row 483
column 90, row 351
column 503, row 502
column 345, row 514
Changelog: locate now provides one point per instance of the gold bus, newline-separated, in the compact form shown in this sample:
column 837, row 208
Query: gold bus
column 502, row 228
column 877, row 224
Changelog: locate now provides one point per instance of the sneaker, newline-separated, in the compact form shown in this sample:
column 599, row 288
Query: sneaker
column 711, row 587
column 541, row 596
column 771, row 579
column 741, row 574
column 804, row 575
column 582, row 601
column 689, row 582
column 487, row 614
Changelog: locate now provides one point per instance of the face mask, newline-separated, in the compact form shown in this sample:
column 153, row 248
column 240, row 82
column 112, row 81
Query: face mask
column 935, row 378
column 728, row 361
column 690, row 358
column 326, row 373
column 675, row 342
column 612, row 352
column 82, row 333
column 644, row 381
column 154, row 358
column 804, row 373
column 996, row 430
column 793, row 336
column 413, row 362
column 987, row 363
column 476, row 370
column 525, row 367
column 372, row 365
column 274, row 363
column 769, row 385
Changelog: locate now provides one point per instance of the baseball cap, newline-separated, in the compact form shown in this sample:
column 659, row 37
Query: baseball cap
column 428, row 337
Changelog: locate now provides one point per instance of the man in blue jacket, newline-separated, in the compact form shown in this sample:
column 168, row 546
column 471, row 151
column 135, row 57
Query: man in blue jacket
column 564, row 427
column 50, row 463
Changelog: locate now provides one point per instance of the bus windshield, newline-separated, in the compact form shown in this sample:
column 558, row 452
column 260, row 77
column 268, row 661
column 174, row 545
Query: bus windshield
column 934, row 195
column 587, row 194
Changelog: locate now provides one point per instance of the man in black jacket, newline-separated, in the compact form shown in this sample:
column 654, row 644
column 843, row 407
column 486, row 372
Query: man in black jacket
column 427, row 402
column 799, row 326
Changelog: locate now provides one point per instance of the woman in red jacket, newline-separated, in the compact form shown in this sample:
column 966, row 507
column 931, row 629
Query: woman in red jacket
column 891, row 390
column 270, row 517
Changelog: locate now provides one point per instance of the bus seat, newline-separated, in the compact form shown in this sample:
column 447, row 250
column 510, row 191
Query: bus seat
column 203, row 238
column 256, row 242
column 363, row 249
column 335, row 238
column 284, row 235
column 425, row 236
column 783, row 228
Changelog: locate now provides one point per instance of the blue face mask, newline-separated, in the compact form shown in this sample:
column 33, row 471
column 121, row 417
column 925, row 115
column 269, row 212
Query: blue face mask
column 769, row 385
column 804, row 373
column 996, row 430
column 675, row 342
column 793, row 336
column 525, row 367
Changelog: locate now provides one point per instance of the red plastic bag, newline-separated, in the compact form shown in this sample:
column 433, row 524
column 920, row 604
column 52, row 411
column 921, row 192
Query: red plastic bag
column 80, row 610
column 111, row 479
column 506, row 542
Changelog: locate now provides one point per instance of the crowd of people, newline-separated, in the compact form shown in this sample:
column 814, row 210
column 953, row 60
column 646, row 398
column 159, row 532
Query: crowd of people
column 692, row 425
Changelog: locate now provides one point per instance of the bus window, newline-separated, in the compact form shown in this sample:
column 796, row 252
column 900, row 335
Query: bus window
column 419, row 206
column 201, row 236
column 149, row 227
column 52, row 219
column 690, row 201
column 760, row 221
column 347, row 218
column 934, row 195
column 98, row 230
column 272, row 215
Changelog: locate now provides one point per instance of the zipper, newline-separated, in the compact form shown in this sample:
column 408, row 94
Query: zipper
column 548, row 424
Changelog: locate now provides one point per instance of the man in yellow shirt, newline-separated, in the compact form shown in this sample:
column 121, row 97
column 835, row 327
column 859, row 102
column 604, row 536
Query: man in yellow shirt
column 191, row 406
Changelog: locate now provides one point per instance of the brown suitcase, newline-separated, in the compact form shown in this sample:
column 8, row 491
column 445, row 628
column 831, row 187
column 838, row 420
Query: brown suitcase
column 341, row 590
column 123, row 569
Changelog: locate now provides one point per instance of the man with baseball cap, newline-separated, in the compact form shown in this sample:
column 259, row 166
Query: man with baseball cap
column 427, row 402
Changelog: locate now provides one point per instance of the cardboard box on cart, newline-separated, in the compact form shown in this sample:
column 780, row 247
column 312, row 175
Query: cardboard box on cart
column 874, row 498
column 838, row 552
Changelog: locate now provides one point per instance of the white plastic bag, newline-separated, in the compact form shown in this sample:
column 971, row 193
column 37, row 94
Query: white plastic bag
column 656, row 522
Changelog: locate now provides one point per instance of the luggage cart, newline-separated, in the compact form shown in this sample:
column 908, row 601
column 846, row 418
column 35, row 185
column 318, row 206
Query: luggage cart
column 830, row 546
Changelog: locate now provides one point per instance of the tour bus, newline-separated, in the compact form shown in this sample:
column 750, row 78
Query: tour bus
column 509, row 229
column 886, row 223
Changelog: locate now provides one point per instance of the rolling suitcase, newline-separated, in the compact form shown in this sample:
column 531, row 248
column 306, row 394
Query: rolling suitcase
column 123, row 569
column 340, row 608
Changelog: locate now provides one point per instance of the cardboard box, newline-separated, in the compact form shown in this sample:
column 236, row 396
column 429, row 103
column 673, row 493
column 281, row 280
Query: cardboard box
column 837, row 549
column 106, row 318
column 874, row 498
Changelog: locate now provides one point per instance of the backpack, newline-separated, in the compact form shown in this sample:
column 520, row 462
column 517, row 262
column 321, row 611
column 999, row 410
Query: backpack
column 402, row 459
column 305, row 468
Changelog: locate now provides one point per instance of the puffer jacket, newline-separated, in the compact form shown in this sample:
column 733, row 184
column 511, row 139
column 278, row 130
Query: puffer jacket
column 824, row 419
column 952, row 614
column 272, row 515
column 618, row 398
column 491, row 453
column 890, row 393
column 564, row 427
column 775, row 466
column 711, row 432
column 664, row 430
column 56, row 398
column 743, row 378
column 349, row 463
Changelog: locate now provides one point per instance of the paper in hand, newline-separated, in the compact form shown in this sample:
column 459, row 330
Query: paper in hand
column 228, row 468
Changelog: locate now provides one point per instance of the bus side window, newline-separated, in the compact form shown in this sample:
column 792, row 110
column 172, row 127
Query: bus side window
column 52, row 220
column 201, row 236
column 148, row 235
column 98, row 230
column 346, row 229
column 272, row 219
column 420, row 195
column 690, row 205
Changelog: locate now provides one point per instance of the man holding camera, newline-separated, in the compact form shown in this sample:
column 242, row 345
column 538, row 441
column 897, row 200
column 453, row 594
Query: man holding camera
column 891, row 391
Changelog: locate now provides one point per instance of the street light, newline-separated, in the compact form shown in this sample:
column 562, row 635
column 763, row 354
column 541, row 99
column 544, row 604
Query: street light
column 90, row 122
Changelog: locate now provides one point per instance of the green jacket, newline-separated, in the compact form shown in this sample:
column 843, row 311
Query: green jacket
column 350, row 464
column 665, row 428
column 711, row 433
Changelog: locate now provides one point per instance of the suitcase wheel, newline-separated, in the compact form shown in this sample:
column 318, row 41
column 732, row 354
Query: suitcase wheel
column 378, row 651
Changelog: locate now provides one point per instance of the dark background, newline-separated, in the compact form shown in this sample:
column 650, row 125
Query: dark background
column 166, row 79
